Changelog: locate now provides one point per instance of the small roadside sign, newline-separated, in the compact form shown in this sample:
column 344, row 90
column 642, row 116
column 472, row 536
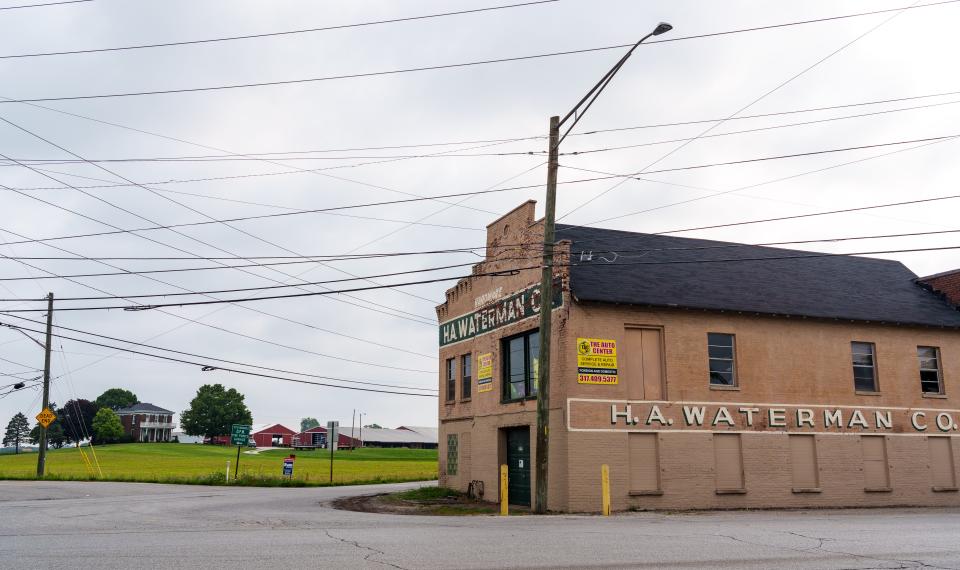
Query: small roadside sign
column 239, row 434
column 288, row 466
column 46, row 417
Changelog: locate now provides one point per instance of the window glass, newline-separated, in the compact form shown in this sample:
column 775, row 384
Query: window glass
column 451, row 380
column 466, row 376
column 930, row 377
column 521, row 364
column 864, row 369
column 720, row 349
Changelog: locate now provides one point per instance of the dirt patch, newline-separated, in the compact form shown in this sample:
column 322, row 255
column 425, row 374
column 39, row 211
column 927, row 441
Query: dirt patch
column 396, row 504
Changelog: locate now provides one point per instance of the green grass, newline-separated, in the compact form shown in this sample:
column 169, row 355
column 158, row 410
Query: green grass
column 206, row 465
column 427, row 494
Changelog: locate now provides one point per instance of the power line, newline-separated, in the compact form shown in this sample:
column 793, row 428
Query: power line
column 275, row 34
column 409, row 200
column 143, row 307
column 446, row 66
column 352, row 381
column 188, row 320
column 209, row 367
column 43, row 5
column 258, row 157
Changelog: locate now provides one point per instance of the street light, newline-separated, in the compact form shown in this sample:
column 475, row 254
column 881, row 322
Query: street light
column 546, row 279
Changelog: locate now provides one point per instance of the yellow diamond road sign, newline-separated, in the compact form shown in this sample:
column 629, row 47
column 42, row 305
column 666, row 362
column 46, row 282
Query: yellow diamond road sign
column 46, row 417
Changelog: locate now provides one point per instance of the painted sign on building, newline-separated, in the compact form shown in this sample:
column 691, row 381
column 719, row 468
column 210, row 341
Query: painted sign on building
column 596, row 361
column 485, row 372
column 611, row 415
column 503, row 312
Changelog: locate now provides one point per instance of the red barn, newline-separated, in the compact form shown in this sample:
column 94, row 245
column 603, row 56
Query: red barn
column 317, row 437
column 272, row 435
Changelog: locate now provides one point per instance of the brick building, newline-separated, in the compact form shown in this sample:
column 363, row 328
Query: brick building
column 146, row 422
column 705, row 374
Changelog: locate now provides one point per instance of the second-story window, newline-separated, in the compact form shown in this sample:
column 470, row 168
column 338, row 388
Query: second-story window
column 451, row 379
column 864, row 366
column 521, row 358
column 466, row 376
column 931, row 380
column 720, row 348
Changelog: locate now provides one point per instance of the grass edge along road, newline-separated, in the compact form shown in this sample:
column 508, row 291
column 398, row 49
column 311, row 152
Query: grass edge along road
column 192, row 464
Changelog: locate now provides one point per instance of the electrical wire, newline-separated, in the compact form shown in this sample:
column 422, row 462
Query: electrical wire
column 43, row 5
column 275, row 34
column 236, row 371
column 449, row 65
column 183, row 353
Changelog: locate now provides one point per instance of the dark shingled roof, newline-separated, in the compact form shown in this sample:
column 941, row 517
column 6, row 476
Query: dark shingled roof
column 833, row 287
column 143, row 408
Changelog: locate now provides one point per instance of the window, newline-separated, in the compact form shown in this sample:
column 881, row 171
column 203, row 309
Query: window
column 452, row 454
column 864, row 367
column 451, row 379
column 521, row 358
column 466, row 376
column 930, row 377
column 720, row 350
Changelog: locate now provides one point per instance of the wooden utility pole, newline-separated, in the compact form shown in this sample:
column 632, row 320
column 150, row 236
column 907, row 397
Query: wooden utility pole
column 353, row 427
column 546, row 306
column 42, row 455
column 546, row 279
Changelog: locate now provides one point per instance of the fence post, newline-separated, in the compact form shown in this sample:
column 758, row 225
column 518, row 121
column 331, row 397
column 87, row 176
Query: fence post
column 227, row 477
column 605, row 488
column 504, row 493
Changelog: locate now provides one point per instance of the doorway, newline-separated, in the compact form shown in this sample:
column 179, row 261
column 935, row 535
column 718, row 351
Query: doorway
column 518, row 465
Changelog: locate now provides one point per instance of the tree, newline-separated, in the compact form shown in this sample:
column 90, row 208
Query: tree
column 308, row 423
column 374, row 426
column 76, row 417
column 214, row 410
column 18, row 430
column 107, row 426
column 116, row 399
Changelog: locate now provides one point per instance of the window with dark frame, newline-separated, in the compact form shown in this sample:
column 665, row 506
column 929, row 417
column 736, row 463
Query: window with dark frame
column 931, row 379
column 451, row 379
column 466, row 376
column 720, row 348
column 521, row 357
column 864, row 366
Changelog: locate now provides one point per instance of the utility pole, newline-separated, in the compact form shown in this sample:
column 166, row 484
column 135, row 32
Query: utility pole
column 42, row 455
column 546, row 306
column 546, row 278
column 361, row 429
column 353, row 427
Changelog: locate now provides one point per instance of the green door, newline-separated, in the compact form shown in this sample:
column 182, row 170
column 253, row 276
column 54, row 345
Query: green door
column 518, row 465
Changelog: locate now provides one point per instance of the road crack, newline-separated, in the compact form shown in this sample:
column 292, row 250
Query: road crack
column 902, row 562
column 373, row 551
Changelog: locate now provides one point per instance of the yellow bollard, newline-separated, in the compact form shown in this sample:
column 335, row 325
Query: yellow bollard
column 605, row 488
column 504, row 498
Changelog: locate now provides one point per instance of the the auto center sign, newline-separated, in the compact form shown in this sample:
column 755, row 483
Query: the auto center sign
column 610, row 415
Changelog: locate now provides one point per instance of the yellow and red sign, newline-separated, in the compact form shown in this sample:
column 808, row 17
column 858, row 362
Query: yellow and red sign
column 485, row 372
column 597, row 361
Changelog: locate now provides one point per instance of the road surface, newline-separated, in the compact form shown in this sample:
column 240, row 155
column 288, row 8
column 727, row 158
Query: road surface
column 129, row 525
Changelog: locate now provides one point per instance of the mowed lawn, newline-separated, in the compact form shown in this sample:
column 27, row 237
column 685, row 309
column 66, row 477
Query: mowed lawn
column 191, row 463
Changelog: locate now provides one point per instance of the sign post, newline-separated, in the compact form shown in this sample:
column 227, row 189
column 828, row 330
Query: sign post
column 239, row 436
column 333, row 436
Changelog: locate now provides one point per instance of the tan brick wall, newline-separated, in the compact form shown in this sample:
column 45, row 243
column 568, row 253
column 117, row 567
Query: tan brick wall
column 779, row 361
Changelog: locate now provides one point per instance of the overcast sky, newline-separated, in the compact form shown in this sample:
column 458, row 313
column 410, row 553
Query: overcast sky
column 389, row 336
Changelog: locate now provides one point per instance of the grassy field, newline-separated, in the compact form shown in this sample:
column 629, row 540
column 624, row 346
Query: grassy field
column 206, row 464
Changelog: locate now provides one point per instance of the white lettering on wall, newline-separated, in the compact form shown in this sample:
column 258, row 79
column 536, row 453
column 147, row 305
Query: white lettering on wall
column 834, row 418
column 857, row 419
column 614, row 414
column 915, row 421
column 777, row 417
column 656, row 416
column 944, row 422
column 804, row 416
column 693, row 415
column 749, row 413
column 723, row 415
column 883, row 419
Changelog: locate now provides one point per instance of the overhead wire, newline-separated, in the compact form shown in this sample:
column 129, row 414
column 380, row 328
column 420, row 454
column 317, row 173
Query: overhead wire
column 450, row 65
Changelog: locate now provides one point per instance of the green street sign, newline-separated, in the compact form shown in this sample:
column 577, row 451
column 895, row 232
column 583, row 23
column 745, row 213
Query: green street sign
column 239, row 434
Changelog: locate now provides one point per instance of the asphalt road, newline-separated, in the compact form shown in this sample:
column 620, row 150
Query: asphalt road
column 121, row 525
